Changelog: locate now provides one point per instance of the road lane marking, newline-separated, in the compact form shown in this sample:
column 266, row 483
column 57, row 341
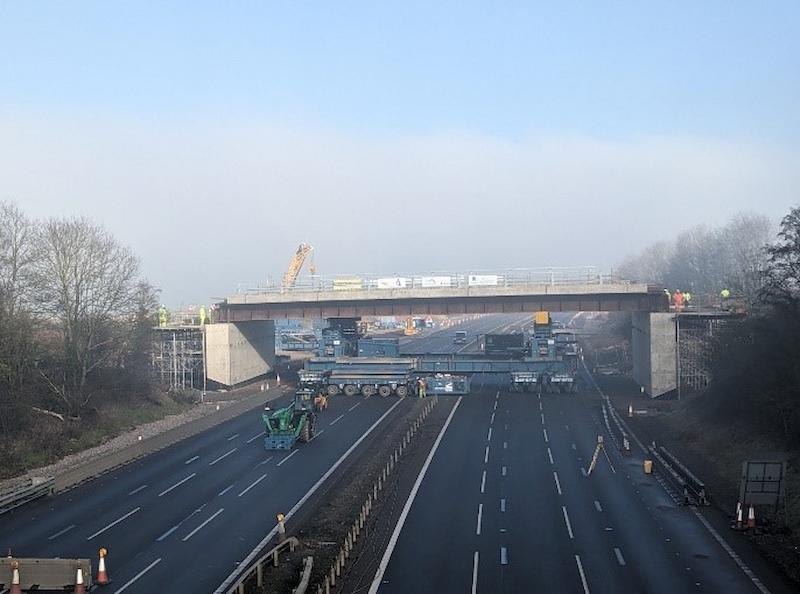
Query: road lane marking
column 287, row 457
column 222, row 457
column 480, row 517
column 540, row 406
column 583, row 471
column 317, row 434
column 475, row 573
column 232, row 437
column 225, row 490
column 495, row 405
column 192, row 459
column 489, row 435
column 352, row 407
column 550, row 455
column 265, row 461
column 483, row 482
column 137, row 576
column 542, row 418
column 620, row 558
column 503, row 471
column 387, row 554
column 583, row 575
column 222, row 588
column 574, row 448
column 114, row 523
column 544, row 432
column 203, row 525
column 558, row 485
column 491, row 421
column 503, row 556
column 566, row 521
column 486, row 455
column 255, row 437
column 503, row 505
column 168, row 532
column 598, row 506
column 505, row 445
column 178, row 484
column 60, row 532
column 336, row 420
column 137, row 489
column 253, row 484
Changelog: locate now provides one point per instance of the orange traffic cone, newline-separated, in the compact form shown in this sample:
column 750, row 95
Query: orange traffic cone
column 80, row 587
column 751, row 517
column 15, row 587
column 102, row 576
column 739, row 516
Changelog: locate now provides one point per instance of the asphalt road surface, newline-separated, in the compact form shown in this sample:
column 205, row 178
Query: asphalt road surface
column 506, row 506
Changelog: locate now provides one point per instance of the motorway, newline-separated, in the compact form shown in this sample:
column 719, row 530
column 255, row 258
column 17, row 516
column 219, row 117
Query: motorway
column 506, row 506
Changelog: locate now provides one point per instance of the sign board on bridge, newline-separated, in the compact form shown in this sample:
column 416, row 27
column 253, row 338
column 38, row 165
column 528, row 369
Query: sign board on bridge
column 395, row 282
column 483, row 280
column 435, row 281
column 763, row 481
column 347, row 284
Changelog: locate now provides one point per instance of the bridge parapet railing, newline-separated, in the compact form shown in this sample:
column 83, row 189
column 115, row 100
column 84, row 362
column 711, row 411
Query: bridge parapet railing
column 516, row 277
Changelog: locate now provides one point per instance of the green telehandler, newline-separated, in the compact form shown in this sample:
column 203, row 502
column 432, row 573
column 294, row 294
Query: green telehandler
column 292, row 423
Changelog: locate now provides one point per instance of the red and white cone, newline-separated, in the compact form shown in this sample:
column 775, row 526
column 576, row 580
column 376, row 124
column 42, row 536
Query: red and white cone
column 15, row 587
column 80, row 587
column 278, row 379
column 751, row 517
column 739, row 516
column 102, row 575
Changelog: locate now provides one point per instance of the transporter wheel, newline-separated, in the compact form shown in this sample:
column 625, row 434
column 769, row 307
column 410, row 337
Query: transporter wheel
column 401, row 391
column 332, row 390
column 385, row 391
column 368, row 391
column 350, row 390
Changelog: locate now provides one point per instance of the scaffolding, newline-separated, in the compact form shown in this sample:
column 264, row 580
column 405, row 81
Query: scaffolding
column 179, row 357
column 695, row 336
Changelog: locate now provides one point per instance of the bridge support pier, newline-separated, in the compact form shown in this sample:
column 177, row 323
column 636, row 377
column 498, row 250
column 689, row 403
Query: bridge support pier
column 654, row 346
column 240, row 351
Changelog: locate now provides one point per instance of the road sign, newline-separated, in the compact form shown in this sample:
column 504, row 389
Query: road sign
column 763, row 481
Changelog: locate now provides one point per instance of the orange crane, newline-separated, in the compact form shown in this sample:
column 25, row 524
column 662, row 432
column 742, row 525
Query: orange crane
column 303, row 251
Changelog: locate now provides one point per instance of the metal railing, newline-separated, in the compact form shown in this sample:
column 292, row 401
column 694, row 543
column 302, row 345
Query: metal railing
column 22, row 492
column 255, row 572
column 553, row 276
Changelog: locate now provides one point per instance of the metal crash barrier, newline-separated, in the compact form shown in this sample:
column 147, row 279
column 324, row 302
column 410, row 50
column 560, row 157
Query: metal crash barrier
column 20, row 493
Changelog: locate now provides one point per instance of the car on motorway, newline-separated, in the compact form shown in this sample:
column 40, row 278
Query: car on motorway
column 460, row 337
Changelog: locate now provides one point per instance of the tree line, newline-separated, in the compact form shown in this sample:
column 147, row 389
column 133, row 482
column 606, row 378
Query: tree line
column 75, row 318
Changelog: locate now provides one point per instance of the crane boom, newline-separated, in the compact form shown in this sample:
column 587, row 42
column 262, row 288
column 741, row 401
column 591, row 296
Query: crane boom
column 296, row 264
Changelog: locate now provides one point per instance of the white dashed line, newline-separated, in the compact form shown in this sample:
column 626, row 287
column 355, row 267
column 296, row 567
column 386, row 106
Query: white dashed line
column 64, row 531
column 558, row 484
column 503, row 556
column 483, row 482
column 138, row 575
column 489, row 435
column 486, row 455
column 491, row 421
column 583, row 575
column 168, row 532
column 550, row 455
column 502, row 505
column 192, row 459
column 566, row 521
column 232, row 437
column 253, row 484
column 178, row 484
column 114, row 523
column 503, row 471
column 475, row 573
column 225, row 490
column 137, row 489
column 583, row 471
column 480, row 517
column 542, row 418
column 620, row 558
column 203, row 525
column 505, row 445
column 287, row 457
column 544, row 432
column 597, row 505
column 255, row 437
column 316, row 435
column 222, row 457
column 336, row 420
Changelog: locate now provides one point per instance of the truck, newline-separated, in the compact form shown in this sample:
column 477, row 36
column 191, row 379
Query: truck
column 352, row 375
column 460, row 337
column 512, row 345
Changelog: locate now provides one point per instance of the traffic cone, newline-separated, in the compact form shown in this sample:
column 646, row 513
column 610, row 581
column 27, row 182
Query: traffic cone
column 751, row 518
column 278, row 379
column 739, row 516
column 80, row 587
column 15, row 587
column 626, row 445
column 102, row 575
column 281, row 528
column 630, row 410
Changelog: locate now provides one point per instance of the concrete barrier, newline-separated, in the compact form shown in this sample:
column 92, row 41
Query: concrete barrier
column 46, row 574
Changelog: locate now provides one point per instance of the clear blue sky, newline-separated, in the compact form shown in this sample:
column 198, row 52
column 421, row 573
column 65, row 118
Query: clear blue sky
column 136, row 113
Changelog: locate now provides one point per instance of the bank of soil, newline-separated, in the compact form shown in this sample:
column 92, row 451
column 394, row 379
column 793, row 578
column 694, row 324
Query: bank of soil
column 715, row 454
column 325, row 519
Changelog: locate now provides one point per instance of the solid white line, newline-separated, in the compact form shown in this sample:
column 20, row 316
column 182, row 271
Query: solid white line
column 138, row 575
column 203, row 525
column 475, row 573
column 558, row 485
column 544, row 432
column 178, row 484
column 503, row 505
column 480, row 516
column 64, row 531
column 583, row 575
column 336, row 420
column 259, row 548
column 598, row 506
column 232, row 437
column 136, row 490
column 566, row 521
column 192, row 459
column 387, row 554
column 287, row 457
column 225, row 490
column 222, row 457
column 253, row 484
column 550, row 455
column 503, row 556
column 255, row 437
column 620, row 558
column 114, row 523
column 352, row 407
column 503, row 470
column 486, row 455
column 483, row 482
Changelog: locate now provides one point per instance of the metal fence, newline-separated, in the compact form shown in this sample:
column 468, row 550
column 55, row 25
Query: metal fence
column 553, row 276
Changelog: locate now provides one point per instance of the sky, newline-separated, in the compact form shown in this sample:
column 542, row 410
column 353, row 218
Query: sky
column 213, row 137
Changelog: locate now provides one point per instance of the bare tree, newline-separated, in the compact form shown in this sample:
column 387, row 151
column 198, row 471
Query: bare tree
column 87, row 283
